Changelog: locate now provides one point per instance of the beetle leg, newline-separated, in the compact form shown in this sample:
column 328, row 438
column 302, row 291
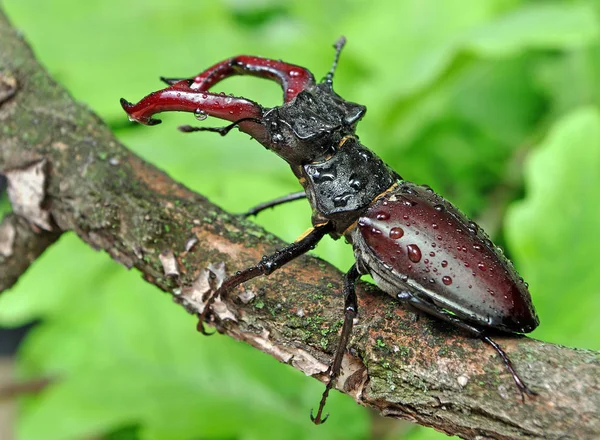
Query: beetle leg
column 266, row 266
column 440, row 313
column 278, row 201
column 180, row 97
column 350, row 311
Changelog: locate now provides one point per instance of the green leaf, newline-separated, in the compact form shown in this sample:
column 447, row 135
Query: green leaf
column 553, row 232
column 537, row 25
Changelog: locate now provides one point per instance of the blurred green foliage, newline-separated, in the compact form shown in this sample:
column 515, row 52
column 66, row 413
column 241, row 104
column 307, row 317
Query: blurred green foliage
column 493, row 103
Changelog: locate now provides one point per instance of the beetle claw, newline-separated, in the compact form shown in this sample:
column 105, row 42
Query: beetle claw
column 317, row 420
column 201, row 329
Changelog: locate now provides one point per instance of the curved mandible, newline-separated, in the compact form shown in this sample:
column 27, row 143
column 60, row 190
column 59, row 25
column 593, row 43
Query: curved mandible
column 292, row 79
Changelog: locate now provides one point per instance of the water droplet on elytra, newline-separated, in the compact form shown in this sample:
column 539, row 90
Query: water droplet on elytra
column 414, row 253
column 432, row 254
column 383, row 216
column 404, row 278
column 447, row 280
column 438, row 207
column 396, row 233
column 481, row 266
column 444, row 263
column 473, row 227
column 434, row 226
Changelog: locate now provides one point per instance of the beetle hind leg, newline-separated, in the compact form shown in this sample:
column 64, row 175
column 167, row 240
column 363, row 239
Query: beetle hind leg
column 442, row 314
column 350, row 311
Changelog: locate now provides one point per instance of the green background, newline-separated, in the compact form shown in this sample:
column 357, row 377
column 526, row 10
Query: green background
column 493, row 103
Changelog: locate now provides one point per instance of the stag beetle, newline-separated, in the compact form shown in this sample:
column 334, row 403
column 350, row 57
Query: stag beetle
column 391, row 223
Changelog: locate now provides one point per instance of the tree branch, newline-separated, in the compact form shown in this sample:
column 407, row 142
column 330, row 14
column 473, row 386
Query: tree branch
column 419, row 370
column 20, row 245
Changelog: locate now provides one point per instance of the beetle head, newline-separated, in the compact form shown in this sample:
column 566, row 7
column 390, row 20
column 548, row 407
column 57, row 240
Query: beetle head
column 311, row 126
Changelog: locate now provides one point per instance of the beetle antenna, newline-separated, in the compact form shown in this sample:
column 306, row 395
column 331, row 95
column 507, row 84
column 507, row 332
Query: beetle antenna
column 221, row 130
column 339, row 45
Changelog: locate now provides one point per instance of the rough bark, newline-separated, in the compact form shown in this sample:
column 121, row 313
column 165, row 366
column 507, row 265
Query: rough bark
column 409, row 368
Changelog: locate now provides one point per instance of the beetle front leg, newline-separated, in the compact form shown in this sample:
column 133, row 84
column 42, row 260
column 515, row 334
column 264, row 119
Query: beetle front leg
column 266, row 266
column 275, row 202
column 350, row 311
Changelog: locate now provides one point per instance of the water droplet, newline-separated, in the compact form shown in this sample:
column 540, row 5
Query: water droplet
column 383, row 216
column 404, row 295
column 200, row 114
column 414, row 253
column 447, row 280
column 294, row 73
column 396, row 233
column 407, row 190
column 277, row 138
column 435, row 226
column 387, row 266
column 433, row 245
column 473, row 227
column 432, row 254
column 340, row 201
column 491, row 292
column 405, row 217
column 477, row 247
column 431, row 281
column 444, row 263
column 426, row 261
column 526, row 284
column 438, row 207
column 481, row 266
column 375, row 231
column 356, row 184
column 404, row 278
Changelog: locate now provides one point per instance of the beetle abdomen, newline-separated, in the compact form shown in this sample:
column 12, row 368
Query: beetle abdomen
column 412, row 239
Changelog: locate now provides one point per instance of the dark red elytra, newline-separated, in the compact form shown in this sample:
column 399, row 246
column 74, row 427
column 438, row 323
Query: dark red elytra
column 465, row 267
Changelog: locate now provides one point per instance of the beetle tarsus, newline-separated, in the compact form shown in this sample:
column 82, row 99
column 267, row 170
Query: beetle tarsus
column 523, row 389
column 350, row 312
column 317, row 420
column 200, row 327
